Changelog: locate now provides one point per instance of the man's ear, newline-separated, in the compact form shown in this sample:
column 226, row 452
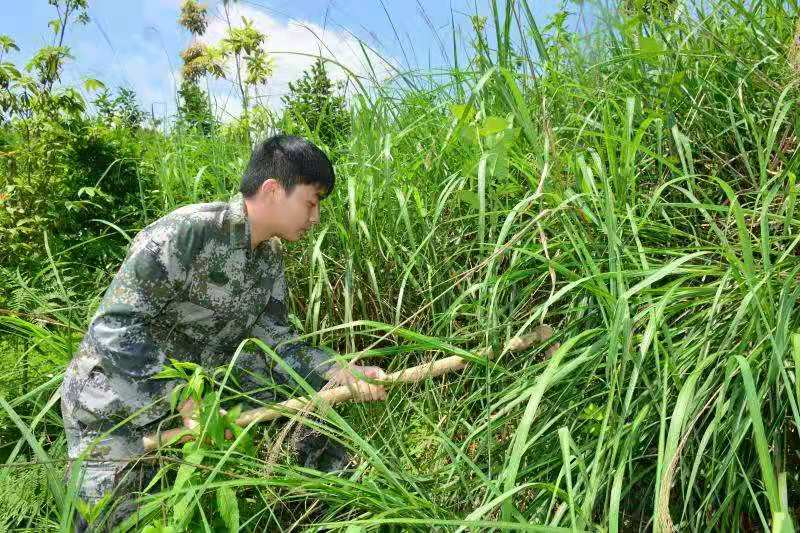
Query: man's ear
column 270, row 188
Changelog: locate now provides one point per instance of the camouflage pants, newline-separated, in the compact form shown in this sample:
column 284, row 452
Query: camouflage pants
column 111, row 464
column 125, row 487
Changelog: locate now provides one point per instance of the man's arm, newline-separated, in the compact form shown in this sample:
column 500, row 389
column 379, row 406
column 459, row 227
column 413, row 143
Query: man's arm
column 272, row 327
column 149, row 278
column 313, row 364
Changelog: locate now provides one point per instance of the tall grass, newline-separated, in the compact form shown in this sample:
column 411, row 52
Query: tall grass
column 636, row 189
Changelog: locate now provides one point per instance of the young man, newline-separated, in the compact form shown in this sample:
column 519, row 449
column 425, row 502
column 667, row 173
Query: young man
column 194, row 284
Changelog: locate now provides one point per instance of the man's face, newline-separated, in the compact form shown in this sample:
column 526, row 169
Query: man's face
column 298, row 210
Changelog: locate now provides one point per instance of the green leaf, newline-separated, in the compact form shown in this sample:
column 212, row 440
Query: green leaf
column 55, row 24
column 9, row 72
column 88, row 191
column 55, row 483
column 228, row 508
column 520, row 443
column 760, row 436
column 92, row 84
column 91, row 511
column 462, row 112
column 492, row 125
column 796, row 358
column 469, row 197
column 677, row 78
column 175, row 396
column 186, row 470
column 470, row 134
column 782, row 523
column 211, row 420
column 7, row 43
column 508, row 189
column 196, row 383
column 661, row 273
column 650, row 47
column 158, row 527
column 186, row 474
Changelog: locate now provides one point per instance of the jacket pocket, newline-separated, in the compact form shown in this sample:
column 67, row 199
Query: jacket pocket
column 96, row 401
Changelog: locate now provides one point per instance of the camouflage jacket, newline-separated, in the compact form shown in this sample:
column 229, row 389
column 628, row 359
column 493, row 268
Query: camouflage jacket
column 190, row 289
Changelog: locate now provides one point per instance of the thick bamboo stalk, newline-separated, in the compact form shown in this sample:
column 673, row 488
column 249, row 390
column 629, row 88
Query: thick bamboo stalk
column 345, row 392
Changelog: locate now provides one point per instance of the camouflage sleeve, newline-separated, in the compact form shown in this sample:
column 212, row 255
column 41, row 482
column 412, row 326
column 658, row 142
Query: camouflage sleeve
column 152, row 274
column 272, row 327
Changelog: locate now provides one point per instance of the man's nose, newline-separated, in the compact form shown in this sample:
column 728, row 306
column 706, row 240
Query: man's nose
column 315, row 215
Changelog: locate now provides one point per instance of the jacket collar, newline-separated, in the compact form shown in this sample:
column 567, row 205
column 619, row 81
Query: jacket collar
column 241, row 232
column 240, row 225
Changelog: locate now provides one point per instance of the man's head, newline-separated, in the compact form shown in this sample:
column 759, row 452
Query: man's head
column 284, row 182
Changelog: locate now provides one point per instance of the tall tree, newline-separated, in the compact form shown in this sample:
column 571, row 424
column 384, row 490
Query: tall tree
column 121, row 109
column 194, row 109
column 193, row 106
column 244, row 45
column 317, row 104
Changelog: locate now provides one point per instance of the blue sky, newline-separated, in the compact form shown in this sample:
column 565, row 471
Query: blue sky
column 136, row 43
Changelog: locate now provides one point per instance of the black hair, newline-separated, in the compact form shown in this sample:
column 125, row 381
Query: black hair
column 291, row 161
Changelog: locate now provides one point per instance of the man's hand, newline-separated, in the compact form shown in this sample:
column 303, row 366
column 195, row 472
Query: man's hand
column 188, row 411
column 352, row 375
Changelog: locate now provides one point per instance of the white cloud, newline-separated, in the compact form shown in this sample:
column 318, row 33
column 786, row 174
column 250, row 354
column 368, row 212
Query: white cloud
column 293, row 46
column 142, row 66
column 146, row 63
column 152, row 81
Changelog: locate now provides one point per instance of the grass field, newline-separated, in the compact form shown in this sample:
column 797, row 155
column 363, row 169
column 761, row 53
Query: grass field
column 634, row 187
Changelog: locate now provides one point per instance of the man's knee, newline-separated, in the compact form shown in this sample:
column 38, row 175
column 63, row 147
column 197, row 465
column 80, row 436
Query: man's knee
column 319, row 451
column 116, row 491
column 106, row 463
column 91, row 479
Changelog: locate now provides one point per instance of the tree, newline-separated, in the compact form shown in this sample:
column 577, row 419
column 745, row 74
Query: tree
column 194, row 17
column 56, row 162
column 194, row 109
column 120, row 110
column 244, row 45
column 650, row 10
column 317, row 104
